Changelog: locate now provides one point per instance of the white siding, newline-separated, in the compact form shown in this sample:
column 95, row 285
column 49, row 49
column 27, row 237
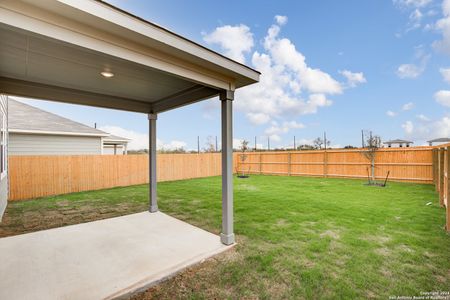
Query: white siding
column 109, row 149
column 40, row 144
column 4, row 155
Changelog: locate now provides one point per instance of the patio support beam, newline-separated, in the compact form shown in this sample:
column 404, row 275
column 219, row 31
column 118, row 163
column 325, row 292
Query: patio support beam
column 227, row 234
column 152, row 162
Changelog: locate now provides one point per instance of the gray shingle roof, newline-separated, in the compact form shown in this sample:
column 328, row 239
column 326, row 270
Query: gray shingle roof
column 440, row 140
column 115, row 138
column 26, row 118
column 398, row 141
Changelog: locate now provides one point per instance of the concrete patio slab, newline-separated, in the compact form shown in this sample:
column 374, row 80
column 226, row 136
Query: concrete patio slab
column 102, row 259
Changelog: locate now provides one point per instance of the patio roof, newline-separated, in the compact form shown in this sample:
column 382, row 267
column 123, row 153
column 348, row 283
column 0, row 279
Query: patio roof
column 89, row 52
column 154, row 69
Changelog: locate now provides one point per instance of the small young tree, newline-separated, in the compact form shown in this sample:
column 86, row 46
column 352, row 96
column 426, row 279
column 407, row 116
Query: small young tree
column 373, row 143
column 210, row 145
column 243, row 155
column 319, row 142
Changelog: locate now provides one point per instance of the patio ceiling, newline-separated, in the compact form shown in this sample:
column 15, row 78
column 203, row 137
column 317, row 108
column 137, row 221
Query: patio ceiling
column 56, row 50
column 60, row 50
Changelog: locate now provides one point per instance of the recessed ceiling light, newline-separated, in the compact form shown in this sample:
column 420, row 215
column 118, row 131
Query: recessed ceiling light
column 107, row 74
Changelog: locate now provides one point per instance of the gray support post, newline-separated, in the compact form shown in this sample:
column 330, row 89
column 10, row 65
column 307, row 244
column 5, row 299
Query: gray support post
column 227, row 234
column 152, row 162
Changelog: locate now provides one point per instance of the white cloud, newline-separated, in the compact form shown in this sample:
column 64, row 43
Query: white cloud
column 408, row 126
column 443, row 97
column 211, row 109
column 258, row 118
column 409, row 71
column 423, row 118
column 353, row 78
column 288, row 87
column 428, row 130
column 412, row 3
column 443, row 25
column 418, row 11
column 277, row 129
column 390, row 113
column 172, row 145
column 237, row 143
column 416, row 16
column 283, row 54
column 140, row 140
column 236, row 41
column 414, row 70
column 415, row 20
column 445, row 72
column 281, row 20
column 408, row 106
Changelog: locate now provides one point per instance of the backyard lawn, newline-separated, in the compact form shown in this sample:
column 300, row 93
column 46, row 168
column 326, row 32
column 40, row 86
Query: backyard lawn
column 297, row 237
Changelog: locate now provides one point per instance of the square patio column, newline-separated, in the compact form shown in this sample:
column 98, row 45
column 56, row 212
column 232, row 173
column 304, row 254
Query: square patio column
column 153, row 203
column 227, row 234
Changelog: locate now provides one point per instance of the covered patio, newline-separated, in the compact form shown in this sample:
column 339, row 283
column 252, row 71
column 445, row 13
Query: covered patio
column 102, row 259
column 91, row 53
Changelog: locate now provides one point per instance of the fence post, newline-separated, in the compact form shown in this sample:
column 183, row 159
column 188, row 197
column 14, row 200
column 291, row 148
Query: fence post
column 447, row 192
column 441, row 176
column 325, row 163
column 438, row 167
column 289, row 163
column 435, row 168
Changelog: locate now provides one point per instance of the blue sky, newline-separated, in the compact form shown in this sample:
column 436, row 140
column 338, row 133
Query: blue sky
column 334, row 66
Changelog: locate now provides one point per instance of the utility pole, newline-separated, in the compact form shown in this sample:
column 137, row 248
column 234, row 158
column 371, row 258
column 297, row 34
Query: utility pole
column 95, row 125
column 362, row 139
column 198, row 144
column 216, row 144
column 268, row 143
column 325, row 139
column 294, row 144
column 255, row 144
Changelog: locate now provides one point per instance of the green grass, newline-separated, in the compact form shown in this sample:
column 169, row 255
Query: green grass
column 298, row 237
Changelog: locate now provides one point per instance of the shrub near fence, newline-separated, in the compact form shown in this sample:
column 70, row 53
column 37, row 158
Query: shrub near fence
column 404, row 164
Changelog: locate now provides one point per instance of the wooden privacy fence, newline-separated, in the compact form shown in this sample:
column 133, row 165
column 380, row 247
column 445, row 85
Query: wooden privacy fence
column 40, row 176
column 441, row 168
column 403, row 164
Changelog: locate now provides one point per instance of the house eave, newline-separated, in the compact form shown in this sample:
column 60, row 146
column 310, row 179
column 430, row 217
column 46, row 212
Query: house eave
column 42, row 132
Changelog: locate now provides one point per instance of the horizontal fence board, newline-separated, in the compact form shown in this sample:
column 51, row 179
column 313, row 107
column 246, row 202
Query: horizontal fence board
column 41, row 176
column 403, row 164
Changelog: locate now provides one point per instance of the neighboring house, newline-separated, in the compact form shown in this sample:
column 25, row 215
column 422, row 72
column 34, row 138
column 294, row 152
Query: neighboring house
column 398, row 142
column 439, row 141
column 33, row 131
column 114, row 144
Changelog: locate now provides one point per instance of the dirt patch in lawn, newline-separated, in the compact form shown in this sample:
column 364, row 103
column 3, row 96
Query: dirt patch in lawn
column 20, row 219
